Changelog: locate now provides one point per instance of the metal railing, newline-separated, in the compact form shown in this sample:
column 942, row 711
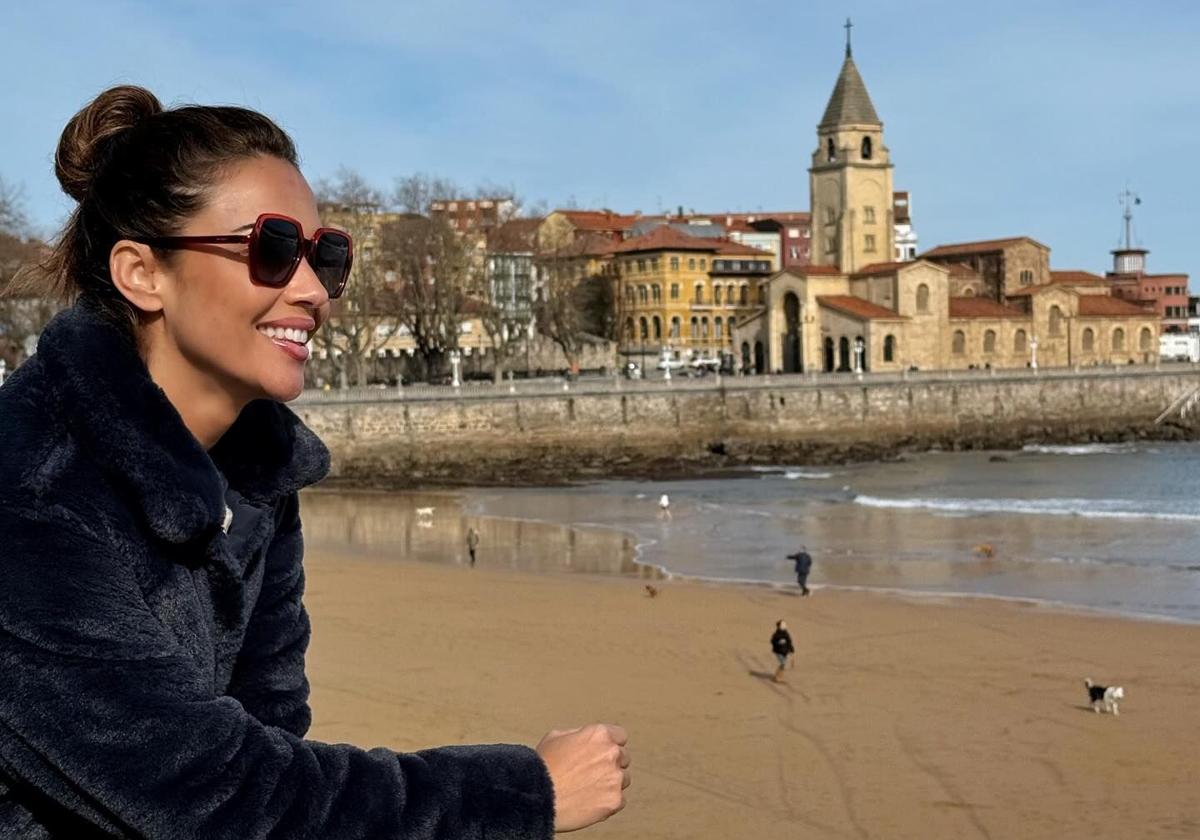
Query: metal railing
column 557, row 386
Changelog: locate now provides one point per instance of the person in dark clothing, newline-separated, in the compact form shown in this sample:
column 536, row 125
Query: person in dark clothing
column 781, row 646
column 803, row 566
column 472, row 544
column 152, row 627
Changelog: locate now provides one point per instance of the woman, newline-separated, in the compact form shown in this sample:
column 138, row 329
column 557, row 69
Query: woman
column 152, row 634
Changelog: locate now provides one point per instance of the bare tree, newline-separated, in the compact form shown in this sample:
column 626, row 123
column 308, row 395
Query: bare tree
column 366, row 318
column 26, row 304
column 575, row 297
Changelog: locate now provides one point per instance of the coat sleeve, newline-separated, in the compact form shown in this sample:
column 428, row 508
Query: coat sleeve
column 105, row 719
column 268, row 678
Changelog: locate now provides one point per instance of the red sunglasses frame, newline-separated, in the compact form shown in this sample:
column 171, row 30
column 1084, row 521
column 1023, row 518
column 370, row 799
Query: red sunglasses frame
column 305, row 251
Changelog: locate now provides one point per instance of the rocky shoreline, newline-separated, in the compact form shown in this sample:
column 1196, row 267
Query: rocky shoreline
column 384, row 467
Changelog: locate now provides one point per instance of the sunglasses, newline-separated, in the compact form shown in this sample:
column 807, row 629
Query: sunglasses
column 277, row 245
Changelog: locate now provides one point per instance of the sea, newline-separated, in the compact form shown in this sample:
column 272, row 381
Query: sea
column 1107, row 527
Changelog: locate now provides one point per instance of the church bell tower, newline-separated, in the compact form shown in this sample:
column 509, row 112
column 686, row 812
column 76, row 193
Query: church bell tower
column 851, row 179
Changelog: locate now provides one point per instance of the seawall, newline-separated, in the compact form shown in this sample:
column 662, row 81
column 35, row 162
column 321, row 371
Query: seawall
column 563, row 432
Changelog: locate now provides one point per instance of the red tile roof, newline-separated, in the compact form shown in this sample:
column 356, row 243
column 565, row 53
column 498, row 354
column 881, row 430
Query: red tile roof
column 977, row 307
column 600, row 220
column 1103, row 306
column 1075, row 276
column 879, row 268
column 514, row 236
column 667, row 238
column 981, row 247
column 857, row 307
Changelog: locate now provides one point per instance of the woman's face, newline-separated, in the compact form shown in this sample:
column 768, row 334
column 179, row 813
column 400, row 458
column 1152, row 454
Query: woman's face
column 216, row 322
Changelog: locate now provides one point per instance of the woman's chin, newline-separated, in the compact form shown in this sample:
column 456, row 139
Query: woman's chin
column 284, row 389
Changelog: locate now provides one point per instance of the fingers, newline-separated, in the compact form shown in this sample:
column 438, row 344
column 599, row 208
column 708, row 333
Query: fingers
column 617, row 733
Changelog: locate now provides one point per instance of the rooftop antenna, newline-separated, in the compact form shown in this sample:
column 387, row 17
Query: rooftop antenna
column 848, row 27
column 1129, row 199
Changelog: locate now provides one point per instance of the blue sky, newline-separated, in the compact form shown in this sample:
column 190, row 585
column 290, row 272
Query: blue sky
column 1002, row 118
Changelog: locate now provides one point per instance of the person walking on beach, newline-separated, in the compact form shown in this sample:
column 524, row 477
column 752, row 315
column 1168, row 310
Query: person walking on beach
column 803, row 566
column 664, row 507
column 781, row 646
column 472, row 543
column 152, row 623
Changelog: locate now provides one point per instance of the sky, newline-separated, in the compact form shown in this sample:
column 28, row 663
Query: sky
column 1002, row 119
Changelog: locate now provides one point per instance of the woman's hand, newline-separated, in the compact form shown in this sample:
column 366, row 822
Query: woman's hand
column 590, row 771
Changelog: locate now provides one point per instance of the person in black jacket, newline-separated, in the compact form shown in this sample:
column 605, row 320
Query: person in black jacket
column 152, row 628
column 803, row 567
column 781, row 646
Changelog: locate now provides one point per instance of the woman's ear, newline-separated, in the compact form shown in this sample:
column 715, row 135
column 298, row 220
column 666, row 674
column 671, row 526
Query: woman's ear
column 138, row 274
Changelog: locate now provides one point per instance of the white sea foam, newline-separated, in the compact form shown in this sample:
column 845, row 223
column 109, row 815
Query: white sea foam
column 1085, row 508
column 1082, row 449
column 792, row 475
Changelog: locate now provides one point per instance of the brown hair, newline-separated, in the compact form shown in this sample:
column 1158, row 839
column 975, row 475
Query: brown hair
column 138, row 170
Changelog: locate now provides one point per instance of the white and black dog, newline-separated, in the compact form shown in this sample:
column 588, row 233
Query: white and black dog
column 1106, row 694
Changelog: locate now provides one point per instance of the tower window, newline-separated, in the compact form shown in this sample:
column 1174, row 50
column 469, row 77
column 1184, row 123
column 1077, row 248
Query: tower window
column 869, row 215
column 869, row 243
column 830, row 151
column 1026, row 277
column 829, row 216
column 866, row 148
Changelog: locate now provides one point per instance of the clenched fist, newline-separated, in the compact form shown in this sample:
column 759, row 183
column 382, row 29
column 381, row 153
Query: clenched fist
column 590, row 771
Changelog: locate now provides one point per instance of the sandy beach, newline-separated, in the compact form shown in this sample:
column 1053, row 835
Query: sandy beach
column 903, row 718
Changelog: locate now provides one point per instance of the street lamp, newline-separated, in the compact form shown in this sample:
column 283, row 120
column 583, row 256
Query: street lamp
column 859, row 346
column 455, row 363
column 1033, row 353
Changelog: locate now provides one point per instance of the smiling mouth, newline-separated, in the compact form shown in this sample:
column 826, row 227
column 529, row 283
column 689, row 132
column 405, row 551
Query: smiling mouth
column 286, row 334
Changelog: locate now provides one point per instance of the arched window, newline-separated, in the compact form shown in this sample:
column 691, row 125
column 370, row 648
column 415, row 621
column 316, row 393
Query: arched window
column 1056, row 318
column 695, row 325
column 717, row 295
column 989, row 341
column 830, row 151
column 643, row 329
column 1118, row 343
column 866, row 148
column 923, row 298
column 699, row 293
column 718, row 328
column 657, row 328
column 629, row 329
column 960, row 343
column 630, row 294
column 731, row 295
column 704, row 327
column 745, row 356
column 1026, row 278
column 745, row 295
column 656, row 293
column 1019, row 341
column 1088, row 340
column 1145, row 339
column 732, row 324
column 889, row 348
column 643, row 294
column 762, row 295
column 969, row 291
column 675, row 327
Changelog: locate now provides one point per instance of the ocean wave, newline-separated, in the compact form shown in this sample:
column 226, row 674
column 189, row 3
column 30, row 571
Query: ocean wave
column 1081, row 449
column 792, row 473
column 1084, row 508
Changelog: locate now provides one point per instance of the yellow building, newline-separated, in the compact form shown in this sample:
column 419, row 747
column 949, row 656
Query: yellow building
column 684, row 293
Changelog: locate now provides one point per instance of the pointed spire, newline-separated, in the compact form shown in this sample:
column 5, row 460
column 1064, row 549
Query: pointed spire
column 850, row 103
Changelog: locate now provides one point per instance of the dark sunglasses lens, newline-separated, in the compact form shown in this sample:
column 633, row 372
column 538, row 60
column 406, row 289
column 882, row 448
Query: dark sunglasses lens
column 330, row 261
column 277, row 251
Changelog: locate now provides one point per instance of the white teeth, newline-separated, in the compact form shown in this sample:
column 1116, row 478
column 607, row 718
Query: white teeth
column 285, row 334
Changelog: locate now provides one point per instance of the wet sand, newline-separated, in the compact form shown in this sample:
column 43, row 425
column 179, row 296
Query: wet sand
column 901, row 719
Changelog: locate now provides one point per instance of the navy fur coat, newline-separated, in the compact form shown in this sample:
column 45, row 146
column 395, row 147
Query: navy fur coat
column 152, row 665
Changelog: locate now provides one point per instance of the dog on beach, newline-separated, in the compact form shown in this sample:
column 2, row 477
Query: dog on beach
column 652, row 591
column 1106, row 695
column 985, row 550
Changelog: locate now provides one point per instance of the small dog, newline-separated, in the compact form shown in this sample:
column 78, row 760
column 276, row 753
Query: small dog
column 652, row 591
column 985, row 550
column 1106, row 694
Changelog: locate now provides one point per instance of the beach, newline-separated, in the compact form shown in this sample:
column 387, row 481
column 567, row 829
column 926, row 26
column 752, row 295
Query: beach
column 904, row 717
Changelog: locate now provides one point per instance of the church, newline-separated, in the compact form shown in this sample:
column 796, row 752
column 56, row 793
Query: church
column 986, row 304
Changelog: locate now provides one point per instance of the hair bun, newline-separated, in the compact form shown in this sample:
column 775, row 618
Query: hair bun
column 88, row 135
